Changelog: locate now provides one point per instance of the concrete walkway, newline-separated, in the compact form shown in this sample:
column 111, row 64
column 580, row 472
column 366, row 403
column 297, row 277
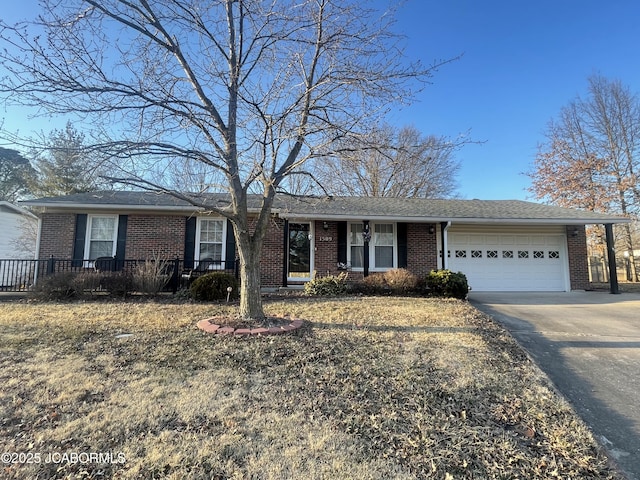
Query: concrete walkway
column 588, row 343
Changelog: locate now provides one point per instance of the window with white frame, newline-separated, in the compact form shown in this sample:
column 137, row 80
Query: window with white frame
column 383, row 240
column 382, row 246
column 210, row 241
column 356, row 242
column 101, row 237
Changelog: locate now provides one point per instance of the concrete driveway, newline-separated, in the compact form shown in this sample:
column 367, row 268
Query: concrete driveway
column 588, row 343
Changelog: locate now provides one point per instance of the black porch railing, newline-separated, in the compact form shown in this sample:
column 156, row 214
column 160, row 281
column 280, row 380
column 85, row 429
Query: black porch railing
column 19, row 275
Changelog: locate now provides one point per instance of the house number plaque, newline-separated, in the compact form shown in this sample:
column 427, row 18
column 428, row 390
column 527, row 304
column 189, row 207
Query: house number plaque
column 326, row 239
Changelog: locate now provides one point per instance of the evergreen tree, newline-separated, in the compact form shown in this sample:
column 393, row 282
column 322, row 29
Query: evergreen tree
column 15, row 172
column 63, row 166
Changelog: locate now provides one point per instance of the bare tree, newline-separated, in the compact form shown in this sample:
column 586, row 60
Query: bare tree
column 591, row 156
column 393, row 162
column 252, row 89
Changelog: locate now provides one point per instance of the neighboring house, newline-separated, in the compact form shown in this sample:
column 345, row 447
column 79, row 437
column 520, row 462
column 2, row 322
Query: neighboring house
column 18, row 231
column 500, row 245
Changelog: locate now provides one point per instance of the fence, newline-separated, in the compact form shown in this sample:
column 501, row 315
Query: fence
column 19, row 275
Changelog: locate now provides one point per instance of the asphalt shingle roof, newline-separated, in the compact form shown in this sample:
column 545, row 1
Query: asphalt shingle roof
column 344, row 207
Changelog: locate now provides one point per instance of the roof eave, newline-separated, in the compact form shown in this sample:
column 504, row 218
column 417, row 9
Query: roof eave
column 431, row 219
column 67, row 206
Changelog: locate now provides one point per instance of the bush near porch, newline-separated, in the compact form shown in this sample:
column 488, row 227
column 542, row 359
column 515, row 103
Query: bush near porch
column 373, row 387
column 397, row 281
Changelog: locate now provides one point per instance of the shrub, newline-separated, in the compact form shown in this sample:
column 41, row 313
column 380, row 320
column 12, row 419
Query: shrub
column 213, row 286
column 118, row 284
column 401, row 281
column 86, row 281
column 445, row 283
column 330, row 285
column 373, row 284
column 397, row 281
column 58, row 286
column 151, row 276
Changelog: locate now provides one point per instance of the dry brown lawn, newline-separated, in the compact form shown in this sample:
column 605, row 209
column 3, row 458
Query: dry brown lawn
column 370, row 388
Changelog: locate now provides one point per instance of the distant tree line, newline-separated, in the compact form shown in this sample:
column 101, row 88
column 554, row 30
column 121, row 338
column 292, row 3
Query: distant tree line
column 590, row 158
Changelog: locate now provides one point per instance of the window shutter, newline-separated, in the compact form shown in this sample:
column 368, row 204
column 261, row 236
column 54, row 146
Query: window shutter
column 230, row 248
column 402, row 245
column 342, row 242
column 79, row 238
column 190, row 242
column 121, row 243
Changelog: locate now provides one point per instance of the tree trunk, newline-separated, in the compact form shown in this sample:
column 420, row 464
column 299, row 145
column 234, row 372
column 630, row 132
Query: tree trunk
column 249, row 234
column 249, row 248
column 250, row 298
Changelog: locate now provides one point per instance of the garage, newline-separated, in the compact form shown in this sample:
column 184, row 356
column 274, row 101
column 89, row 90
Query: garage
column 511, row 260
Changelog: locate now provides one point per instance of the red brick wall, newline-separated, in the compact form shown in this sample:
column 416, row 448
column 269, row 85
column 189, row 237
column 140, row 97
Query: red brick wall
column 158, row 235
column 164, row 234
column 272, row 255
column 422, row 248
column 326, row 248
column 57, row 232
column 577, row 252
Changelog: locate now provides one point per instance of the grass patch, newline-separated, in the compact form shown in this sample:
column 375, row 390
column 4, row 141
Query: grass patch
column 371, row 388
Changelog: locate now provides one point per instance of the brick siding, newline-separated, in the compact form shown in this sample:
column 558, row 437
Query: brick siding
column 57, row 232
column 155, row 236
column 422, row 248
column 326, row 248
column 164, row 235
column 577, row 253
column 272, row 254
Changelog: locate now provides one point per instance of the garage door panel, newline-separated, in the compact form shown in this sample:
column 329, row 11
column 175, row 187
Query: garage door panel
column 510, row 262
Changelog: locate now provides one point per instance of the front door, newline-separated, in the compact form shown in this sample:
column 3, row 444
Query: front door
column 300, row 260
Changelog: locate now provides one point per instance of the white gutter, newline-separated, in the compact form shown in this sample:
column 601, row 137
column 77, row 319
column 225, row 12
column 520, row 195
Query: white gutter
column 418, row 219
column 76, row 207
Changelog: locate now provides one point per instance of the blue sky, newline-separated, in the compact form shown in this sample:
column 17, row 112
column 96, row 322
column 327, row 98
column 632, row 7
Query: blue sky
column 522, row 62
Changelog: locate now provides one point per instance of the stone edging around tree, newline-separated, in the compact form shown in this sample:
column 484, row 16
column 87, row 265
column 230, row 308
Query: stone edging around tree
column 209, row 325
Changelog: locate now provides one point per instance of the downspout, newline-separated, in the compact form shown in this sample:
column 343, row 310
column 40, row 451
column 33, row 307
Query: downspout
column 444, row 226
column 38, row 237
column 37, row 256
column 611, row 255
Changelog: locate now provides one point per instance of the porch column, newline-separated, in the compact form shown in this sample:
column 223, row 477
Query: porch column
column 611, row 256
column 366, row 235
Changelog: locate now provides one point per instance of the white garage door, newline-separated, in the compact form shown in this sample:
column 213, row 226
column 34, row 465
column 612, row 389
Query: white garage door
column 510, row 262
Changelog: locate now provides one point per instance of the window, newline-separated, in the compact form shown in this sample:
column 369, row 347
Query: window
column 210, row 237
column 523, row 254
column 102, row 231
column 357, row 245
column 382, row 246
column 461, row 254
column 492, row 254
column 554, row 254
column 507, row 254
column 476, row 253
column 383, row 240
column 538, row 254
